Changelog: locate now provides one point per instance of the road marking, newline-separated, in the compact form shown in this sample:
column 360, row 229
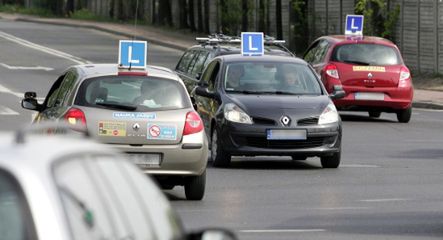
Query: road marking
column 385, row 200
column 7, row 111
column 7, row 90
column 25, row 68
column 44, row 49
column 359, row 166
column 342, row 208
column 282, row 230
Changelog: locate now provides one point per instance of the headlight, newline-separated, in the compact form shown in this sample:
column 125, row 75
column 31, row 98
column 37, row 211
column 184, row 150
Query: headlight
column 329, row 115
column 235, row 114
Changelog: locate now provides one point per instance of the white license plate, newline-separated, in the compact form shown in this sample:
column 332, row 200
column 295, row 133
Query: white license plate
column 145, row 159
column 286, row 134
column 374, row 96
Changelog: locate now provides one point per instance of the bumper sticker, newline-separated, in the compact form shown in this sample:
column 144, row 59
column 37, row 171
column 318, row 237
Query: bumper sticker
column 134, row 115
column 368, row 69
column 161, row 131
column 112, row 129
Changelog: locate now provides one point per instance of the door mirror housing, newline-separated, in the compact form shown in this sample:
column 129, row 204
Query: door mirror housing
column 207, row 234
column 30, row 102
column 338, row 92
column 204, row 92
column 198, row 76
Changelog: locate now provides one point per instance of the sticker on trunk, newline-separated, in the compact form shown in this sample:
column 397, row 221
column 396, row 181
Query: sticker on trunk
column 134, row 115
column 112, row 129
column 162, row 131
column 368, row 69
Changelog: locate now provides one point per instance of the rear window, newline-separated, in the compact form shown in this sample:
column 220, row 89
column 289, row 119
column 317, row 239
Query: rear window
column 366, row 54
column 132, row 93
column 271, row 77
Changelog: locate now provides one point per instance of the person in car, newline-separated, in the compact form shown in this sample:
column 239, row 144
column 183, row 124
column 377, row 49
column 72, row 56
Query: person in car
column 289, row 82
column 235, row 73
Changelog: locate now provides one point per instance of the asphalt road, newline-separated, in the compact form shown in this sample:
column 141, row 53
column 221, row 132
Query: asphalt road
column 389, row 185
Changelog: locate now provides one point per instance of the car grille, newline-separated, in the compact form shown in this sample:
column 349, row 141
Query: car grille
column 262, row 142
column 308, row 121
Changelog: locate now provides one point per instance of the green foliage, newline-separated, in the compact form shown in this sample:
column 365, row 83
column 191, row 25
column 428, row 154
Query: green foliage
column 378, row 21
column 85, row 14
column 232, row 12
column 299, row 25
column 13, row 8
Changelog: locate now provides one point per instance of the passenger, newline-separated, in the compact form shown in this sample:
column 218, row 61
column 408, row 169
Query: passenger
column 290, row 82
column 148, row 91
column 235, row 72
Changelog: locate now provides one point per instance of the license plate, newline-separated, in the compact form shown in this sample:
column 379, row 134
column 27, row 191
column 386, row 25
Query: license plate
column 145, row 159
column 369, row 96
column 286, row 134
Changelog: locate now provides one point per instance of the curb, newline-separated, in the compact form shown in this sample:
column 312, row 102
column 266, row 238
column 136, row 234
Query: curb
column 427, row 105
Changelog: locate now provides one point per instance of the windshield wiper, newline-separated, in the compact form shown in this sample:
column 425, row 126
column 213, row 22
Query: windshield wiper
column 117, row 106
column 357, row 62
column 244, row 91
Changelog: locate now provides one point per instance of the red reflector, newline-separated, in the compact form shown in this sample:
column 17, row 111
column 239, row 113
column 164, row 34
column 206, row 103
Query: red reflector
column 75, row 116
column 193, row 123
column 128, row 73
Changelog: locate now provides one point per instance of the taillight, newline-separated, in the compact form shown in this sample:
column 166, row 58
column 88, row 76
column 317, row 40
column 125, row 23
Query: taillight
column 75, row 116
column 332, row 71
column 405, row 78
column 193, row 123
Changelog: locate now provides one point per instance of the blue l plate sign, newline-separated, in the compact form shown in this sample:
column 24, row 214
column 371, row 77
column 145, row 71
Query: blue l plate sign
column 354, row 25
column 132, row 54
column 252, row 44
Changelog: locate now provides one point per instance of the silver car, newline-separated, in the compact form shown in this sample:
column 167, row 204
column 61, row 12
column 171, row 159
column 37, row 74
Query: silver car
column 79, row 189
column 147, row 114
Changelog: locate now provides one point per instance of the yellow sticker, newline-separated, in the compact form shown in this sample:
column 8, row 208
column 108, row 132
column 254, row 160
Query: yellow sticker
column 114, row 129
column 368, row 68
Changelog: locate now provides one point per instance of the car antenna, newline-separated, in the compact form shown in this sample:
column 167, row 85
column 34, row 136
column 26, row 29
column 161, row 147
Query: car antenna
column 135, row 31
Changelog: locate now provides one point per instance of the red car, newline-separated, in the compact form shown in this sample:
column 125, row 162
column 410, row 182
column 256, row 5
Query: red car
column 370, row 70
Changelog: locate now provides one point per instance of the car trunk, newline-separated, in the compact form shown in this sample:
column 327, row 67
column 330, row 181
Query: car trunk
column 135, row 128
column 368, row 76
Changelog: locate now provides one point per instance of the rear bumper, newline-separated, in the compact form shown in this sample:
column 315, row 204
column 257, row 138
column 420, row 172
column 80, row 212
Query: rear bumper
column 189, row 158
column 395, row 99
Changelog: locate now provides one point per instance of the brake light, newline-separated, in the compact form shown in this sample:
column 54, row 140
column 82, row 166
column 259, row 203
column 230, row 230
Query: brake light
column 193, row 123
column 75, row 116
column 405, row 77
column 332, row 71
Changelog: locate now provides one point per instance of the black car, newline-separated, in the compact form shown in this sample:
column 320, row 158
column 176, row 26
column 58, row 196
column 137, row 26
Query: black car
column 196, row 58
column 268, row 105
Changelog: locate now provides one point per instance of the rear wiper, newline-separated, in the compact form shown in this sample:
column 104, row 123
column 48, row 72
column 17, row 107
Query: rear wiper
column 117, row 106
column 357, row 62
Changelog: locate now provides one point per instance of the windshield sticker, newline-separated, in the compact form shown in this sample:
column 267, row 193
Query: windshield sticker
column 134, row 115
column 162, row 131
column 368, row 69
column 112, row 129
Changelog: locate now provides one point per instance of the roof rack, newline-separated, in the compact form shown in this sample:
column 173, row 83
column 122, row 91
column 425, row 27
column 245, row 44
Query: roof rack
column 217, row 38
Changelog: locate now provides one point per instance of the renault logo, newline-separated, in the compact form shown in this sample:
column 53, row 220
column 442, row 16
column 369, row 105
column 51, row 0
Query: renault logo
column 285, row 120
column 136, row 126
column 369, row 75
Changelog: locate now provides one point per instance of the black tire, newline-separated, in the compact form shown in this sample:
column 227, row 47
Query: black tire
column 374, row 114
column 404, row 116
column 219, row 157
column 195, row 187
column 332, row 161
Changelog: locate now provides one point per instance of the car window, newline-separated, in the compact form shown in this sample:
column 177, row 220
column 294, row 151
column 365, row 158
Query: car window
column 15, row 218
column 199, row 64
column 66, row 87
column 53, row 93
column 366, row 54
column 210, row 73
column 139, row 93
column 310, row 54
column 185, row 60
column 271, row 77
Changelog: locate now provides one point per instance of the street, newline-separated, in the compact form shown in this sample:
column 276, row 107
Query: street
column 387, row 187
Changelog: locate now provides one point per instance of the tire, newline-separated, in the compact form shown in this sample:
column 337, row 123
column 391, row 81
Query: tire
column 404, row 116
column 219, row 157
column 195, row 187
column 331, row 161
column 374, row 114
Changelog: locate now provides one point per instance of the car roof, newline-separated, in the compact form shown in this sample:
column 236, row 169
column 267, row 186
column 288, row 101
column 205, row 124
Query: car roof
column 264, row 58
column 343, row 39
column 235, row 48
column 95, row 70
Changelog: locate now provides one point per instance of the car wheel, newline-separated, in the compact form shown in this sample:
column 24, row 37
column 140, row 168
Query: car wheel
column 195, row 187
column 331, row 161
column 374, row 114
column 404, row 116
column 219, row 157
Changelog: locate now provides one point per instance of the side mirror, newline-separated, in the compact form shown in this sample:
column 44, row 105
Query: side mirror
column 30, row 101
column 198, row 76
column 209, row 234
column 204, row 92
column 338, row 92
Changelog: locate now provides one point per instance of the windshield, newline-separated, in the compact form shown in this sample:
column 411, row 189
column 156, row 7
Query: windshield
column 132, row 93
column 271, row 78
column 366, row 54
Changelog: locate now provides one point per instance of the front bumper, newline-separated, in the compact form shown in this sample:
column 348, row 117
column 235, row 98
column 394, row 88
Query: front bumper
column 251, row 140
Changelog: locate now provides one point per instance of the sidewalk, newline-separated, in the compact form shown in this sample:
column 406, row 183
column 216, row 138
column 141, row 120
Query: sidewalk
column 181, row 40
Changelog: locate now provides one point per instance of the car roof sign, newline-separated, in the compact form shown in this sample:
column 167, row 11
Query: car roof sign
column 252, row 44
column 132, row 54
column 354, row 25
